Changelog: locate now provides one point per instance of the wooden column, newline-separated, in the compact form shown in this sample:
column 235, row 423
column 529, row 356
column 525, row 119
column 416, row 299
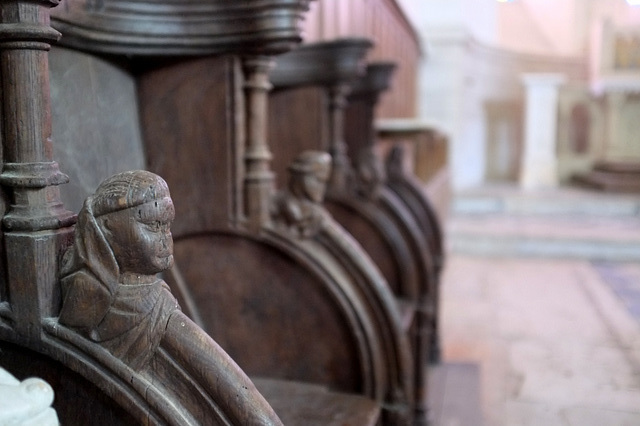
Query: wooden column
column 259, row 179
column 37, row 227
column 338, row 148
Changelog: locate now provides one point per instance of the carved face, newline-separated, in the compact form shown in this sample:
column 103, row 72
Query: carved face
column 140, row 236
column 315, row 186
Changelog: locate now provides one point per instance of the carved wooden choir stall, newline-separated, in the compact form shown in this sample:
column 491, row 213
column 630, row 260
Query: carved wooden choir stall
column 279, row 284
column 81, row 306
column 249, row 275
column 406, row 200
column 329, row 100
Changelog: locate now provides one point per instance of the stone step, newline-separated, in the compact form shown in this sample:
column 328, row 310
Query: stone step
column 613, row 238
column 560, row 201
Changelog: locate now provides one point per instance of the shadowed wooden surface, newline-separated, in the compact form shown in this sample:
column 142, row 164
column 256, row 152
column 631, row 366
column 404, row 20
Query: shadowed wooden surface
column 326, row 408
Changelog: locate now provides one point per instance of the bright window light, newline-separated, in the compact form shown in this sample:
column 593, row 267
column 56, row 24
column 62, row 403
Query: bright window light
column 634, row 2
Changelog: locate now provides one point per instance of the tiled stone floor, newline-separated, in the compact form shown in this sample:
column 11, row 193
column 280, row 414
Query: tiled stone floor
column 556, row 337
column 555, row 343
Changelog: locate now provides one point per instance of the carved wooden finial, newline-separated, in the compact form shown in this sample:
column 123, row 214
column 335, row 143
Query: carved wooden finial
column 395, row 162
column 113, row 299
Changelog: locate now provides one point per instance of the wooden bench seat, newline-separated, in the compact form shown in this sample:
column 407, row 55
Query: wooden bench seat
column 305, row 404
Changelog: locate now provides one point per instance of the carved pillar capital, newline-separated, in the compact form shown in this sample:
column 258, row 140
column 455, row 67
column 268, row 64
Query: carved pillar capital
column 25, row 24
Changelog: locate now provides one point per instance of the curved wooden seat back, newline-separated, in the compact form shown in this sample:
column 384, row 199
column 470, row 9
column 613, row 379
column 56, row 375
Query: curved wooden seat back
column 289, row 318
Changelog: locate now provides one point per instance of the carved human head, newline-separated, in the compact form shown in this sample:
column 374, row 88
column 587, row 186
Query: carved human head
column 395, row 160
column 370, row 173
column 309, row 173
column 135, row 211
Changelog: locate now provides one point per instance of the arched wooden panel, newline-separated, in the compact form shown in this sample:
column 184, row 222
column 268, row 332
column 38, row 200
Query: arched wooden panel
column 252, row 293
column 381, row 240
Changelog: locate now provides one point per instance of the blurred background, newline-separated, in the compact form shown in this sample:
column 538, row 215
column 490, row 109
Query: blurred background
column 523, row 121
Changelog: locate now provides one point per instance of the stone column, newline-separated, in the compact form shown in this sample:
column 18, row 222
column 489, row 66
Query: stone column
column 621, row 143
column 539, row 157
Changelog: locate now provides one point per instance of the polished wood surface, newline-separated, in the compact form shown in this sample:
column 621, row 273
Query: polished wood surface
column 327, row 408
column 169, row 28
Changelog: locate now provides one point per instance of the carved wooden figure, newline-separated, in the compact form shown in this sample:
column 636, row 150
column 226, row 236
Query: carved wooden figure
column 113, row 297
column 299, row 208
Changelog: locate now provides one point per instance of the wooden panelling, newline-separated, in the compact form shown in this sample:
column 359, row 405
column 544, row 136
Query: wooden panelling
column 394, row 40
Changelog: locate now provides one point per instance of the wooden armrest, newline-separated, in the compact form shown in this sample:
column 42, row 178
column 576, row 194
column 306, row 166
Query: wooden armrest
column 298, row 403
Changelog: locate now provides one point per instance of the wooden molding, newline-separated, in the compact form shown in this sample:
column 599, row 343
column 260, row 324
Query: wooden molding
column 169, row 28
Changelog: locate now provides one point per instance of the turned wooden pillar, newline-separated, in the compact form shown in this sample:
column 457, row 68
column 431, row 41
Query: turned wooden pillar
column 259, row 179
column 338, row 148
column 37, row 227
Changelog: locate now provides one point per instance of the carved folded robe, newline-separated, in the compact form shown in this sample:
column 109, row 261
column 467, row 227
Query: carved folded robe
column 133, row 325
